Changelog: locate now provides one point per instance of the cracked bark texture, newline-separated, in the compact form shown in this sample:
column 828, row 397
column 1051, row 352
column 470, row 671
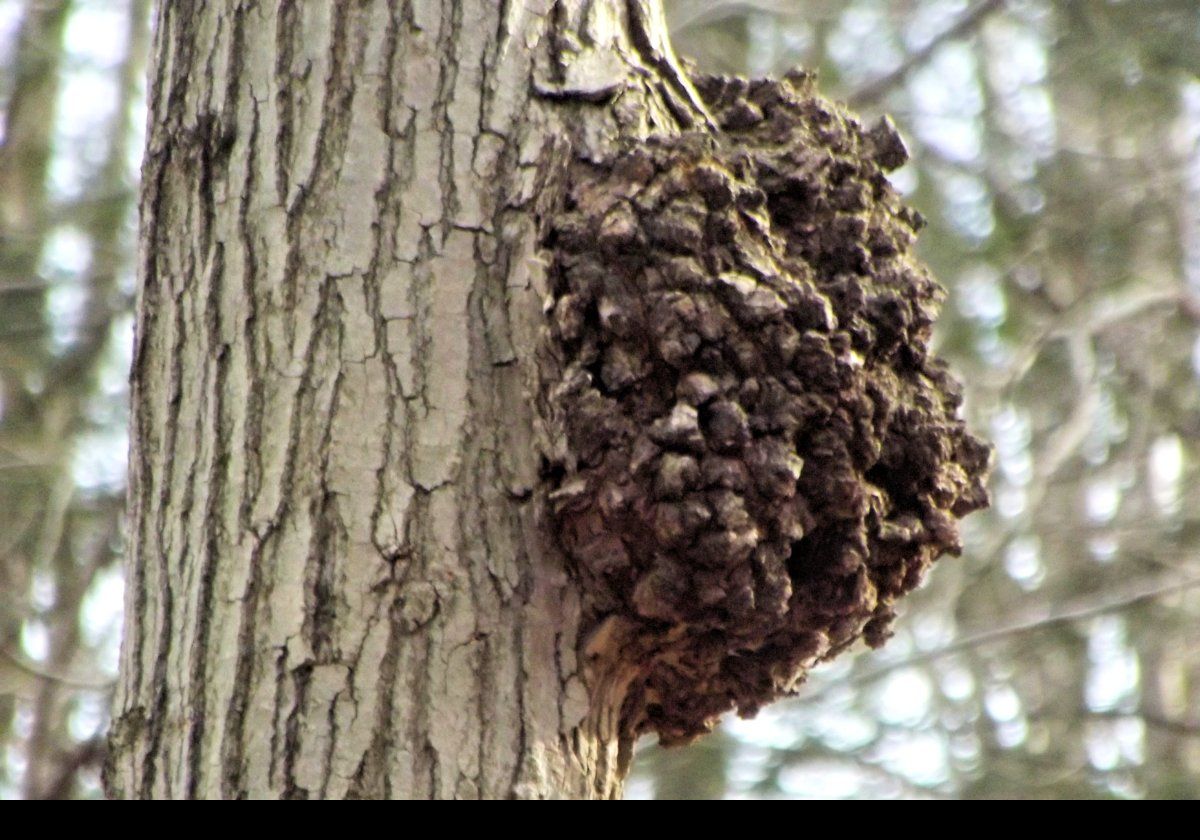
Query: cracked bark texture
column 337, row 581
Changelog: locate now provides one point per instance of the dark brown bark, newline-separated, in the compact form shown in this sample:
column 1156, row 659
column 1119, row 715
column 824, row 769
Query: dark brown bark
column 761, row 455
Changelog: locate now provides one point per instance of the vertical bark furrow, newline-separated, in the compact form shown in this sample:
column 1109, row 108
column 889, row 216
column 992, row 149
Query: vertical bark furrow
column 286, row 30
column 340, row 581
column 210, row 527
column 442, row 123
column 239, row 629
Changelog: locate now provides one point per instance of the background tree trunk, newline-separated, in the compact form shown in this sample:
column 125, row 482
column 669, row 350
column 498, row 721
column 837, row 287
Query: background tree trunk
column 337, row 584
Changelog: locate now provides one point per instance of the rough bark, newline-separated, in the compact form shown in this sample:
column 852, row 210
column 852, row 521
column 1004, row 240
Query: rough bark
column 761, row 455
column 339, row 580
column 496, row 403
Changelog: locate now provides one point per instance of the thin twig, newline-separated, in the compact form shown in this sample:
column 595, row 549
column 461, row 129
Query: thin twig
column 1082, row 609
column 873, row 91
column 683, row 16
column 1157, row 721
column 67, row 681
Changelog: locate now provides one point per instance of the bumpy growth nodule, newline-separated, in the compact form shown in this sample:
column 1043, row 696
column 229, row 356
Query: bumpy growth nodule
column 761, row 454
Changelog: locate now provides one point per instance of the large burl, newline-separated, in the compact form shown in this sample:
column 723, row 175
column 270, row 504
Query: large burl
column 759, row 454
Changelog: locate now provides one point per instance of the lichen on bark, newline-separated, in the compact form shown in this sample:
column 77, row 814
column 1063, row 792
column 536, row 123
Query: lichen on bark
column 758, row 453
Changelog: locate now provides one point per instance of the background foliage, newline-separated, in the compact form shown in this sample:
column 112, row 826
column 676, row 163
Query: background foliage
column 1056, row 152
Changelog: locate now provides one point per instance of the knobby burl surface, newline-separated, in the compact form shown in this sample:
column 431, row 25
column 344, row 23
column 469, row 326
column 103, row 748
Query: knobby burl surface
column 761, row 454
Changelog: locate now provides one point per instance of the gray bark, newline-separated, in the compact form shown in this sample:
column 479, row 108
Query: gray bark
column 338, row 583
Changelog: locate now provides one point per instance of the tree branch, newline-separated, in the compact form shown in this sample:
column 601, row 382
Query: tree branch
column 1077, row 611
column 89, row 753
column 1157, row 721
column 872, row 92
column 65, row 680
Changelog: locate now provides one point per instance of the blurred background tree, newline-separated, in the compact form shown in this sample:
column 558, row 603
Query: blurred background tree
column 70, row 125
column 1056, row 152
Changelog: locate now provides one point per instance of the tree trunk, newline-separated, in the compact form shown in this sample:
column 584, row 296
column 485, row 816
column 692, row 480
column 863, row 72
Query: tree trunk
column 337, row 582
column 497, row 399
